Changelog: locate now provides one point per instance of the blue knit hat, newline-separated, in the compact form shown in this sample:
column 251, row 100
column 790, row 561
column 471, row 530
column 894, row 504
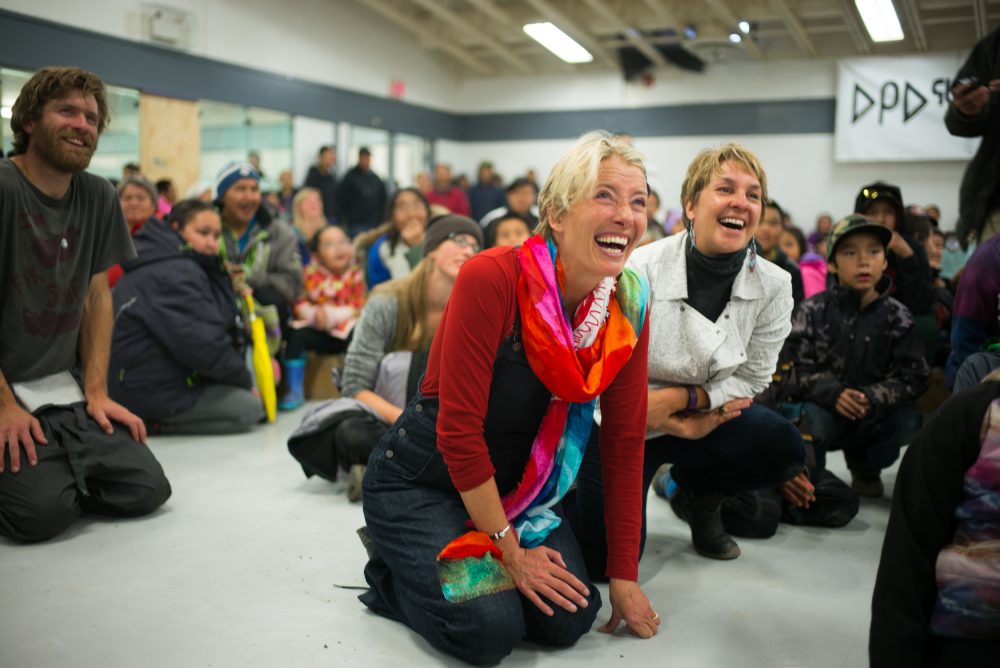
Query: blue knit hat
column 231, row 173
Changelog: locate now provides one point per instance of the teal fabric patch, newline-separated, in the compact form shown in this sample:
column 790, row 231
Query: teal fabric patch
column 465, row 579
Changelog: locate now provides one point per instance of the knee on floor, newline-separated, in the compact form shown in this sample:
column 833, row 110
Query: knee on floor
column 39, row 519
column 482, row 634
column 564, row 628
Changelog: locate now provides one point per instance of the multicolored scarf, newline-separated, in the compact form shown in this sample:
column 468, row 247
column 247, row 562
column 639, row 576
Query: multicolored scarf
column 576, row 363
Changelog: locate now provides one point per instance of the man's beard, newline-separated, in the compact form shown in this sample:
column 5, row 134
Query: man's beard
column 51, row 147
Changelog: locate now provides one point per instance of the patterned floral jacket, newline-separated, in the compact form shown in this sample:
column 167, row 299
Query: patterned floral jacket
column 340, row 297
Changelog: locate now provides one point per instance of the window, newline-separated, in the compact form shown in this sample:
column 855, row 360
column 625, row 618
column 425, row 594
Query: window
column 411, row 154
column 231, row 132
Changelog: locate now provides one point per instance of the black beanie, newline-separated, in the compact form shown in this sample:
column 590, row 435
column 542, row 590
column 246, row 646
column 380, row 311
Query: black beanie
column 442, row 227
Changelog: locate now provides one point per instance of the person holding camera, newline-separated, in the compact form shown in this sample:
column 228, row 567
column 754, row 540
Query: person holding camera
column 973, row 113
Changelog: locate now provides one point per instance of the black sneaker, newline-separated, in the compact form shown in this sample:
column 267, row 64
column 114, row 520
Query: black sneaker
column 866, row 485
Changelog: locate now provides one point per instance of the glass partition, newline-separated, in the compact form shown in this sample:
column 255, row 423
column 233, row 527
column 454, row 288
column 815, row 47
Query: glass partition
column 231, row 132
column 411, row 154
column 120, row 142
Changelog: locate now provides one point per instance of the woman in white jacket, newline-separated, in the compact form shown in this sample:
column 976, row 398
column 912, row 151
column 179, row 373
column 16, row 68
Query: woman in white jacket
column 719, row 316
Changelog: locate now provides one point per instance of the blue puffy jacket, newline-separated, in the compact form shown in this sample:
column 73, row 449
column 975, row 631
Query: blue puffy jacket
column 177, row 327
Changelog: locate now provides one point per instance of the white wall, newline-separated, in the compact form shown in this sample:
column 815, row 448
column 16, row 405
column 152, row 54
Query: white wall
column 339, row 43
column 334, row 42
column 790, row 79
column 801, row 172
column 803, row 176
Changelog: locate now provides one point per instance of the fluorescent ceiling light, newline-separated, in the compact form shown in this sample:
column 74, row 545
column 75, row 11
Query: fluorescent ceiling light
column 880, row 19
column 735, row 37
column 744, row 27
column 558, row 42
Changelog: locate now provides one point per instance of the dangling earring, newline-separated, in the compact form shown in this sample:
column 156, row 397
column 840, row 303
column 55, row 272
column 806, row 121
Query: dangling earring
column 690, row 228
column 752, row 252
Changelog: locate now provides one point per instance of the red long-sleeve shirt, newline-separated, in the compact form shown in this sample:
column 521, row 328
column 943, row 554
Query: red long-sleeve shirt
column 479, row 316
column 453, row 199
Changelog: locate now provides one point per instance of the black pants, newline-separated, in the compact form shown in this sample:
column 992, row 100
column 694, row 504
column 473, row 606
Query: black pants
column 412, row 511
column 758, row 449
column 80, row 470
column 299, row 341
column 347, row 440
column 757, row 513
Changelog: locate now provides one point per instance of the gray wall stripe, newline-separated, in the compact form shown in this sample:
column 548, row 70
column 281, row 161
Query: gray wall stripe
column 737, row 118
column 29, row 43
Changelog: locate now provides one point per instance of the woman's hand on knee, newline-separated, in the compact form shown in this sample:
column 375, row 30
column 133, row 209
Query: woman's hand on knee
column 699, row 425
column 541, row 571
column 629, row 604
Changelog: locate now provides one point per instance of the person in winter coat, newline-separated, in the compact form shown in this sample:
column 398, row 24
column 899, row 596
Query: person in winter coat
column 860, row 362
column 976, row 312
column 485, row 195
column 912, row 283
column 259, row 250
column 177, row 352
column 768, row 237
column 361, row 196
column 937, row 592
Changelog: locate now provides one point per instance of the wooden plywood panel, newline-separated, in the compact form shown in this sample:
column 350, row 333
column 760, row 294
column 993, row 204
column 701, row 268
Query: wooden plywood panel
column 169, row 140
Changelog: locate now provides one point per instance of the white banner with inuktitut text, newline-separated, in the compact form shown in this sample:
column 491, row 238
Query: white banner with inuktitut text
column 892, row 109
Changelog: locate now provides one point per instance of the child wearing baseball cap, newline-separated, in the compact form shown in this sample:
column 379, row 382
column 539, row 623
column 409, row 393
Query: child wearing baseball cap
column 860, row 362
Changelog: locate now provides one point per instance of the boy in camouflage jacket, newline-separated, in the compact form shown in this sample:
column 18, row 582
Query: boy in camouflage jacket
column 859, row 359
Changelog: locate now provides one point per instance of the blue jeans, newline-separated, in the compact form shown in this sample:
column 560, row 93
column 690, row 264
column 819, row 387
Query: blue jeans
column 412, row 511
column 869, row 445
column 758, row 449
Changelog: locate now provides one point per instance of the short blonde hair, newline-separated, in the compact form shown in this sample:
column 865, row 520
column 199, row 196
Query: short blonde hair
column 708, row 164
column 574, row 176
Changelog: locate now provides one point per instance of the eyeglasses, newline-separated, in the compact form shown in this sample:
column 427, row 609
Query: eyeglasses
column 336, row 244
column 465, row 241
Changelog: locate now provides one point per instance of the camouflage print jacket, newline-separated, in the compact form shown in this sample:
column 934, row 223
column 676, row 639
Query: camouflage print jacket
column 836, row 344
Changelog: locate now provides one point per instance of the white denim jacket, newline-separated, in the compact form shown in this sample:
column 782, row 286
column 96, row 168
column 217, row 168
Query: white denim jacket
column 732, row 357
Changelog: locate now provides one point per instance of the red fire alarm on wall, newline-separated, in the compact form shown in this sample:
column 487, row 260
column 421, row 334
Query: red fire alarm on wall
column 397, row 89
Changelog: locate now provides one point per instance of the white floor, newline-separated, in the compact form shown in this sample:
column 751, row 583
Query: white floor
column 241, row 568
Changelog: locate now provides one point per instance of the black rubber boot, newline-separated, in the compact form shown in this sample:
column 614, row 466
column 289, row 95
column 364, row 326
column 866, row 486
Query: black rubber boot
column 708, row 535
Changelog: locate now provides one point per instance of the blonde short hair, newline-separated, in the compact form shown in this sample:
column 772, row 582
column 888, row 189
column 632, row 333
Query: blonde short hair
column 574, row 176
column 708, row 164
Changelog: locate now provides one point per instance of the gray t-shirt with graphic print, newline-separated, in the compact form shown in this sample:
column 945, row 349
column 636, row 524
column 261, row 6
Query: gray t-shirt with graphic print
column 49, row 250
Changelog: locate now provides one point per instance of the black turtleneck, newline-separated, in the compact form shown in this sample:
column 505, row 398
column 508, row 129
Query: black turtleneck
column 710, row 280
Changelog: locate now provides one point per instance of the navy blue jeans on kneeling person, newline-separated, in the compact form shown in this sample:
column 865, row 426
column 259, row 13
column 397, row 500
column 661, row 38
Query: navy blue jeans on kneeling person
column 412, row 511
column 869, row 445
column 758, row 449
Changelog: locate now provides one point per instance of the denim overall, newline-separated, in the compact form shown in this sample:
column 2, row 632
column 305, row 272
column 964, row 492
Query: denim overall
column 413, row 510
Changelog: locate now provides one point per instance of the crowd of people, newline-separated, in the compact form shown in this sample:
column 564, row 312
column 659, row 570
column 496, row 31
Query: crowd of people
column 731, row 351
